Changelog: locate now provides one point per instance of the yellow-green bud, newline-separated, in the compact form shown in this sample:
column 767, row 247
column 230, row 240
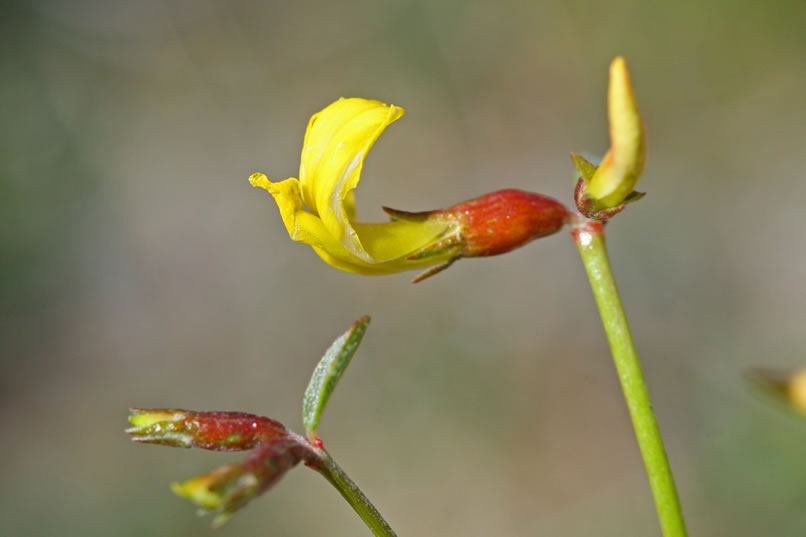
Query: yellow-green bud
column 614, row 180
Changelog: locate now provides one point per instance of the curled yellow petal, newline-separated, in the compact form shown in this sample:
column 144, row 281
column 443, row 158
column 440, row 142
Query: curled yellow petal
column 287, row 196
column 302, row 226
column 624, row 163
column 336, row 143
column 319, row 208
column 387, row 245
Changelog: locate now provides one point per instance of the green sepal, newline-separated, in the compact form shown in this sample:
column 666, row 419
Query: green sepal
column 585, row 168
column 633, row 196
column 436, row 269
column 407, row 216
column 328, row 372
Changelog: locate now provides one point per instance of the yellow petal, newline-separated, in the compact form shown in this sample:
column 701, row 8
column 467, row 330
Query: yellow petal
column 387, row 244
column 394, row 240
column 349, row 206
column 625, row 161
column 301, row 225
column 336, row 143
column 141, row 418
column 286, row 194
column 198, row 491
column 355, row 265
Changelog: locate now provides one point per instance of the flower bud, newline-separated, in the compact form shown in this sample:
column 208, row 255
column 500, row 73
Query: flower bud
column 611, row 183
column 230, row 487
column 215, row 431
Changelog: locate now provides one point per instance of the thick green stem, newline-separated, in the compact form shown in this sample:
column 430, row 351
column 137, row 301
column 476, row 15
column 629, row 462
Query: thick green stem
column 589, row 238
column 326, row 466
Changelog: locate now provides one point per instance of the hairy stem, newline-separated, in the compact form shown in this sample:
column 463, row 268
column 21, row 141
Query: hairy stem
column 589, row 238
column 325, row 465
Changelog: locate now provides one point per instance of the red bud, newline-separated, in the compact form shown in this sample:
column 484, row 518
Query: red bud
column 216, row 431
column 228, row 488
column 492, row 224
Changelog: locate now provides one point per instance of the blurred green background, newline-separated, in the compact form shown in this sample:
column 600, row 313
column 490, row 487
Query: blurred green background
column 139, row 268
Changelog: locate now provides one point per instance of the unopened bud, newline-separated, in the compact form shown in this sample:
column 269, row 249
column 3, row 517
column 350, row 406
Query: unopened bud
column 611, row 184
column 216, row 431
column 228, row 488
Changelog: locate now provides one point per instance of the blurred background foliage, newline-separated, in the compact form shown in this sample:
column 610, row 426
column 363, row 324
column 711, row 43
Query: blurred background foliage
column 139, row 268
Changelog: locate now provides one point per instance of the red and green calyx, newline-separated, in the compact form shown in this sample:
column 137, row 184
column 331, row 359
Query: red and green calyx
column 491, row 224
column 215, row 431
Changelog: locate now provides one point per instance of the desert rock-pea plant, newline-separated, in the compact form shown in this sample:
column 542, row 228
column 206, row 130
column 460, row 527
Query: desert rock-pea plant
column 318, row 209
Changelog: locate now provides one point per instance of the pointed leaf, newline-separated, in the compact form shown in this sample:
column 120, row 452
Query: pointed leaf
column 328, row 372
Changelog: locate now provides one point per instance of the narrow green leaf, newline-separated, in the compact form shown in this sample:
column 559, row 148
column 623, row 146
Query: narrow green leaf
column 328, row 372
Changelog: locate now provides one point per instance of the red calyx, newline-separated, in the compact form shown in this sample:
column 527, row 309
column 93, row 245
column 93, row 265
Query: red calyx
column 502, row 221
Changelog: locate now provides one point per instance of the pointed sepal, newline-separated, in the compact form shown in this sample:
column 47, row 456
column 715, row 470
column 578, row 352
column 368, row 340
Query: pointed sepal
column 436, row 269
column 585, row 168
column 406, row 216
column 587, row 208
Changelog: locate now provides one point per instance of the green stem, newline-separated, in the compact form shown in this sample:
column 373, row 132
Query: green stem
column 326, row 466
column 589, row 238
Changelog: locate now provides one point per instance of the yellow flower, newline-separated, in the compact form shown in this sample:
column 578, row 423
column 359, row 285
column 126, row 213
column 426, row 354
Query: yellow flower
column 319, row 208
